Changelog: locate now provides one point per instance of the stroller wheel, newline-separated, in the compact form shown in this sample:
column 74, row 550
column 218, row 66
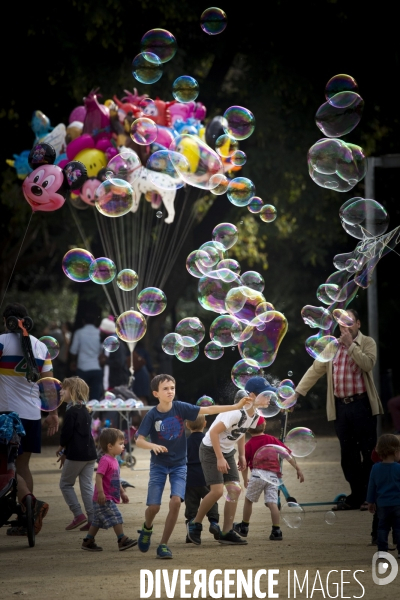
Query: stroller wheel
column 130, row 460
column 29, row 521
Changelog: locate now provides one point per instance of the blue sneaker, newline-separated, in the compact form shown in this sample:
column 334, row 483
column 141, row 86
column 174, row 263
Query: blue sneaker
column 215, row 530
column 194, row 532
column 144, row 538
column 163, row 551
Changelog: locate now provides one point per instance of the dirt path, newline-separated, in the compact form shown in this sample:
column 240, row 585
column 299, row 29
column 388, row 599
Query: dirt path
column 57, row 567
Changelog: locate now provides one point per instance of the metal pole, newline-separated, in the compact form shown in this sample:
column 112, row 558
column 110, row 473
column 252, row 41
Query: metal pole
column 372, row 290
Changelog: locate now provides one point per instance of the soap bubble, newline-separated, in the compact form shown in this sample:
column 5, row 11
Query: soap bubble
column 76, row 264
column 292, row 514
column 268, row 213
column 185, row 89
column 222, row 328
column 322, row 348
column 232, row 491
column 188, row 354
column 111, row 343
column 269, row 330
column 344, row 318
column 49, row 393
column 147, row 67
column 213, row 351
column 336, row 165
column 240, row 122
column 231, row 264
column 218, row 184
column 203, row 161
column 226, row 234
column 243, row 370
column 363, row 218
column 267, row 463
column 172, row 343
column 127, row 280
column 159, row 42
column 238, row 158
column 255, row 205
column 330, row 517
column 125, row 165
column 52, row 345
column 151, row 301
column 144, row 131
column 205, row 401
column 102, row 270
column 240, row 191
column 286, row 397
column 253, row 280
column 316, row 316
column 114, row 198
column 226, row 145
column 266, row 404
column 191, row 327
column 213, row 20
column 340, row 115
column 159, row 163
column 131, row 326
column 340, row 83
column 301, row 441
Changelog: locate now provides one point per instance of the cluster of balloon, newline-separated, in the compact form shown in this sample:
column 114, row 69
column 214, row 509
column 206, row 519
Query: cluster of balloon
column 245, row 320
column 339, row 166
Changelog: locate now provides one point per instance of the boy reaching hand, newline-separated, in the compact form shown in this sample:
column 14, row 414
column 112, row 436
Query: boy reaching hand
column 165, row 425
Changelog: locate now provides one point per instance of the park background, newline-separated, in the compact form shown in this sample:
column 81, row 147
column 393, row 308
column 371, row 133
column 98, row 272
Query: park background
column 274, row 59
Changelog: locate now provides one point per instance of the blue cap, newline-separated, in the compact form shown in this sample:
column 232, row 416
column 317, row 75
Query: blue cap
column 258, row 385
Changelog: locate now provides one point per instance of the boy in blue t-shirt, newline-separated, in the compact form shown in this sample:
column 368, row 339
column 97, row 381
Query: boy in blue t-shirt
column 383, row 494
column 165, row 425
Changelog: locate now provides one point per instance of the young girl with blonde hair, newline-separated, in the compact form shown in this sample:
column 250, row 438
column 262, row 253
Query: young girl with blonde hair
column 77, row 452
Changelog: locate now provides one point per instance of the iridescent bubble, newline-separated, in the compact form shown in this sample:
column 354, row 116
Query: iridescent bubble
column 49, row 393
column 127, row 280
column 226, row 234
column 286, row 396
column 340, row 83
column 266, row 404
column 205, row 401
column 185, row 89
column 76, row 264
column 160, row 164
column 226, row 145
column 197, row 263
column 362, row 218
column 102, row 270
column 187, row 354
column 188, row 341
column 238, row 158
column 336, row 165
column 212, row 293
column 147, row 67
column 159, row 42
column 52, row 345
column 131, row 326
column 203, row 161
column 330, row 517
column 125, row 165
column 267, row 462
column 213, row 20
column 290, row 374
column 151, row 301
column 292, row 514
column 264, row 307
column 215, row 249
column 316, row 317
column 264, row 344
column 335, row 120
column 144, row 131
column 344, row 318
column 111, row 343
column 114, row 197
column 253, row 280
column 240, row 122
column 229, row 263
column 222, row 328
column 240, row 191
column 222, row 273
column 325, row 292
column 172, row 343
column 159, row 214
column 322, row 348
column 192, row 327
column 268, row 213
column 255, row 205
column 301, row 441
column 213, row 351
column 243, row 370
column 219, row 184
column 242, row 302
column 232, row 491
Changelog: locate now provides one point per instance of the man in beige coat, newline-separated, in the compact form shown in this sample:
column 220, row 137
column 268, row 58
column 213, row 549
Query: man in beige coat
column 352, row 403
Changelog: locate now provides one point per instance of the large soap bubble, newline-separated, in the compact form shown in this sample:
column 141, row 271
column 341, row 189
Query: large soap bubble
column 151, row 301
column 159, row 42
column 111, row 343
column 292, row 514
column 253, row 280
column 266, row 404
column 49, row 393
column 322, row 348
column 240, row 191
column 126, row 165
column 336, row 165
column 147, row 67
column 172, row 343
column 213, row 20
column 243, row 370
column 185, row 89
column 76, row 264
column 191, row 327
column 340, row 83
column 267, row 336
column 363, row 218
column 52, row 345
column 240, row 122
column 213, row 351
column 267, row 463
column 114, row 197
column 316, row 316
column 131, row 326
column 127, row 280
column 203, row 161
column 226, row 234
column 102, row 270
column 144, row 131
column 212, row 292
column 301, row 441
column 223, row 328
column 188, row 354
column 340, row 115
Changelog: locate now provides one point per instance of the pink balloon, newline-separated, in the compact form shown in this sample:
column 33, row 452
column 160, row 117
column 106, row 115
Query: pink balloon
column 103, row 144
column 63, row 163
column 110, row 153
column 78, row 114
column 164, row 136
column 80, row 143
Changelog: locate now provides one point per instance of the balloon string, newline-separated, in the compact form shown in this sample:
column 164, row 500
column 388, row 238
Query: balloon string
column 16, row 260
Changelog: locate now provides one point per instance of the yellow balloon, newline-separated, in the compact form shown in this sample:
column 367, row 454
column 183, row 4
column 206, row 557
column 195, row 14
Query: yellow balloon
column 93, row 159
column 189, row 148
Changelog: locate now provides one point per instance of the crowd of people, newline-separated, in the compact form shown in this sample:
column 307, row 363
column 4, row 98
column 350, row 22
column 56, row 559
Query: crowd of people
column 199, row 467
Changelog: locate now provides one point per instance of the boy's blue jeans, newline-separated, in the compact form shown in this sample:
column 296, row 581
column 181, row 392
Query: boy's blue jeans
column 158, row 478
column 389, row 517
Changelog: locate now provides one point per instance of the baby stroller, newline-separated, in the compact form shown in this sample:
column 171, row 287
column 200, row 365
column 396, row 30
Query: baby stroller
column 10, row 431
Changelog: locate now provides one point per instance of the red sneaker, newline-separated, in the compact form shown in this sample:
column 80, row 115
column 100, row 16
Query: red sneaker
column 76, row 522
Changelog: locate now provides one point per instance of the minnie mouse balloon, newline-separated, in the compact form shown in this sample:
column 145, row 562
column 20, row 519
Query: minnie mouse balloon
column 45, row 189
